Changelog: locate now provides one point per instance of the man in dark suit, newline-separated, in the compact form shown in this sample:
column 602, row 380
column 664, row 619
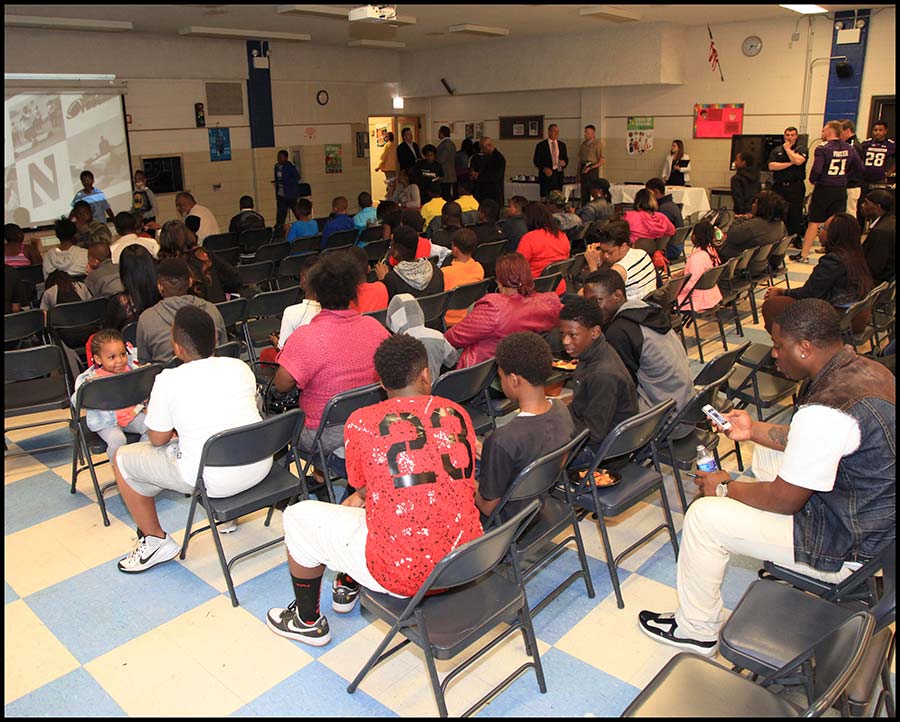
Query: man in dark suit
column 489, row 181
column 550, row 157
column 879, row 247
column 407, row 152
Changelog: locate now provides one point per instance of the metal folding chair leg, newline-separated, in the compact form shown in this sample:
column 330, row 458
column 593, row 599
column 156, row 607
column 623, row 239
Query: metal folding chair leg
column 610, row 560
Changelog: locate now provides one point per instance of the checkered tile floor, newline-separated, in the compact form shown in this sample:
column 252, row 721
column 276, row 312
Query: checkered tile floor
column 83, row 639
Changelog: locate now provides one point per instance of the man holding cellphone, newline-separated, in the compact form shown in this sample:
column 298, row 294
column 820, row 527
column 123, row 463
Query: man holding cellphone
column 829, row 502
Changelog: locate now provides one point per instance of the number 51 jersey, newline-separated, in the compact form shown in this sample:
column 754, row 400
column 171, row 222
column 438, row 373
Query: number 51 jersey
column 416, row 458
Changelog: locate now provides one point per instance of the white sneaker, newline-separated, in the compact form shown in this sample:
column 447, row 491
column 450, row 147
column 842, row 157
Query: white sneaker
column 226, row 527
column 148, row 552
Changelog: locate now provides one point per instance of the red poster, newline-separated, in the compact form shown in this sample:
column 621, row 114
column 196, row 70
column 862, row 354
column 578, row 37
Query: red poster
column 718, row 120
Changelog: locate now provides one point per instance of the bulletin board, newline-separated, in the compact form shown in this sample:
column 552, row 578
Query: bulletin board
column 517, row 127
column 718, row 120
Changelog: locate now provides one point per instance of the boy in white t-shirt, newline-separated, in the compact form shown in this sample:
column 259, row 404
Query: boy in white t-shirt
column 187, row 406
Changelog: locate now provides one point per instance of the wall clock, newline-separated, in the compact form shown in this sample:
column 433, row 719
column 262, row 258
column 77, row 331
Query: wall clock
column 322, row 97
column 751, row 46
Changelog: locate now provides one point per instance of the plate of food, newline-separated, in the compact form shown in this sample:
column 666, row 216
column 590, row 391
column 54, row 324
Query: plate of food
column 603, row 477
column 564, row 365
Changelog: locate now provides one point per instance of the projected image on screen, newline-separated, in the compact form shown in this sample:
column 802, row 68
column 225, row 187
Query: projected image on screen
column 50, row 139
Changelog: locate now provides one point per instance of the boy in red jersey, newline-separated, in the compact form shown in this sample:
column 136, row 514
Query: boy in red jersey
column 411, row 460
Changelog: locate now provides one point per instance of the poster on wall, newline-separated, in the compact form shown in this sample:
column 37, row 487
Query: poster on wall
column 479, row 129
column 470, row 130
column 718, row 120
column 381, row 136
column 362, row 144
column 219, row 144
column 333, row 159
column 639, row 134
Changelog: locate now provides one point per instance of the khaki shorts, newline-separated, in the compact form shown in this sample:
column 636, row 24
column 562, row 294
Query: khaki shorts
column 149, row 469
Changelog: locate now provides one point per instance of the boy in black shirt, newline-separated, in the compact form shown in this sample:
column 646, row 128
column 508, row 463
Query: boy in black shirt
column 542, row 425
column 603, row 392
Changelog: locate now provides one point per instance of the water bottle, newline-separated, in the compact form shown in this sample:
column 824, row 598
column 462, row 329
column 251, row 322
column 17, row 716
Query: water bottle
column 705, row 459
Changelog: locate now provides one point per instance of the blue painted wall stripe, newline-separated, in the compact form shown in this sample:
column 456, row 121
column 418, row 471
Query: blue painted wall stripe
column 259, row 98
column 843, row 96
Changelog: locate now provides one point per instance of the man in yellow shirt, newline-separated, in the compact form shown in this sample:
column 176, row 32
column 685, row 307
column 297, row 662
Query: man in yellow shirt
column 466, row 200
column 434, row 206
column 463, row 270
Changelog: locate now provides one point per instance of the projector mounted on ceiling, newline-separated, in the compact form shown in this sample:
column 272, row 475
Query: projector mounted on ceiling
column 373, row 14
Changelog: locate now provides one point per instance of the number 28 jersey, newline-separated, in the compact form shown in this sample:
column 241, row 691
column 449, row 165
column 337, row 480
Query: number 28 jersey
column 416, row 458
column 877, row 158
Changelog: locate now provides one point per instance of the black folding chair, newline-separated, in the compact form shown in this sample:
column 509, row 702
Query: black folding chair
column 773, row 623
column 738, row 286
column 461, row 297
column 24, row 327
column 380, row 315
column 231, row 349
column 756, row 381
column 884, row 313
column 248, row 241
column 777, row 265
column 370, row 233
column 233, row 313
column 32, row 277
column 307, row 244
column 73, row 323
column 129, row 333
column 321, row 221
column 220, row 241
column 487, row 254
column 679, row 238
column 272, row 252
column 256, row 275
column 290, row 267
column 336, row 412
column 730, row 298
column 240, row 447
column 106, row 394
column 376, row 249
column 474, row 601
column 545, row 284
column 231, row 256
column 35, row 380
column 262, row 317
column 694, row 686
column 757, row 271
column 666, row 296
column 637, row 482
column 707, row 280
column 468, row 386
column 563, row 267
column 341, row 239
column 433, row 307
column 538, row 545
column 862, row 307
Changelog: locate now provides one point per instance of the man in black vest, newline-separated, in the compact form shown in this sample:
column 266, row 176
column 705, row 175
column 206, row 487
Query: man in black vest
column 788, row 163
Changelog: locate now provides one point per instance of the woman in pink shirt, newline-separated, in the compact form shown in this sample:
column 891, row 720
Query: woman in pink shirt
column 334, row 352
column 544, row 243
column 515, row 307
column 702, row 258
column 645, row 221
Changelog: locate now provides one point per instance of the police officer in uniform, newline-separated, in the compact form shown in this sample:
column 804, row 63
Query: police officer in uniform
column 788, row 164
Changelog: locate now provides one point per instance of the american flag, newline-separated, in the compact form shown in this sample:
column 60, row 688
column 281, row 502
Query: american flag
column 714, row 55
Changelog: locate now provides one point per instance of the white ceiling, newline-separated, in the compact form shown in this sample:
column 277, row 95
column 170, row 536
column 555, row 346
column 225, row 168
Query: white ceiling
column 430, row 29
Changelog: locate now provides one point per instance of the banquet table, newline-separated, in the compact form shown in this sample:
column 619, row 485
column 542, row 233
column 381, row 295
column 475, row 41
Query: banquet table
column 532, row 190
column 692, row 198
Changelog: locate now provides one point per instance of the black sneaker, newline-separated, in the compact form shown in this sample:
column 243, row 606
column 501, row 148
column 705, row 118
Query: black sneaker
column 344, row 594
column 663, row 628
column 798, row 258
column 286, row 623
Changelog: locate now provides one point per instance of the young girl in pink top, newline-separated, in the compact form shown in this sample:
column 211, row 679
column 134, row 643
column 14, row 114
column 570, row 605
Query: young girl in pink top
column 645, row 221
column 702, row 258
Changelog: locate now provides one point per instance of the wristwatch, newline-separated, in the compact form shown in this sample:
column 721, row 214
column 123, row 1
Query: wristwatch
column 722, row 489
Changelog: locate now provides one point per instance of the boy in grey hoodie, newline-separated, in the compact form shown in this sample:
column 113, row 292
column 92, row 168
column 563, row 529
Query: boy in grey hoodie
column 404, row 315
column 415, row 276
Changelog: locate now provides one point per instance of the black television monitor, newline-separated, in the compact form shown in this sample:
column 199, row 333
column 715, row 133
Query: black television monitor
column 759, row 146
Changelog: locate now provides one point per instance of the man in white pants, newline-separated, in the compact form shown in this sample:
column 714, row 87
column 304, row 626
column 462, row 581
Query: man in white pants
column 830, row 502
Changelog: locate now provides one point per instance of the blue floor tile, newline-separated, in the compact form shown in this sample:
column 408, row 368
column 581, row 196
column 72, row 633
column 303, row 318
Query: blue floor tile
column 76, row 694
column 571, row 606
column 273, row 589
column 53, row 458
column 38, row 498
column 171, row 507
column 9, row 594
column 574, row 689
column 322, row 692
column 88, row 615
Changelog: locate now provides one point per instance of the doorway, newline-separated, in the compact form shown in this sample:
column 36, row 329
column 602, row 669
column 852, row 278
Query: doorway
column 882, row 108
column 379, row 127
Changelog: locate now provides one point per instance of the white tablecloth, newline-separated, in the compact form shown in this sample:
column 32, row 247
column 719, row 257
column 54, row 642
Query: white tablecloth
column 532, row 191
column 693, row 199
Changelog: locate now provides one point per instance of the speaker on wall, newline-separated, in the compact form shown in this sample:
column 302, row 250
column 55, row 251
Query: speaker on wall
column 447, row 86
column 843, row 70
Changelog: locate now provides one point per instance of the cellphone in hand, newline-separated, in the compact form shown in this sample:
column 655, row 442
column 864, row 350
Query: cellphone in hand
column 713, row 415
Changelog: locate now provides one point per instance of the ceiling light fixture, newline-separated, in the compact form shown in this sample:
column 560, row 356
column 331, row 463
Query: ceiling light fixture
column 375, row 44
column 324, row 11
column 610, row 14
column 197, row 31
column 471, row 29
column 34, row 21
column 805, row 9
column 398, row 103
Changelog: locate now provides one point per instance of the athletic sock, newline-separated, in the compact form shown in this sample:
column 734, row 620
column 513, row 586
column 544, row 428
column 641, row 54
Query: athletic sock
column 306, row 592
